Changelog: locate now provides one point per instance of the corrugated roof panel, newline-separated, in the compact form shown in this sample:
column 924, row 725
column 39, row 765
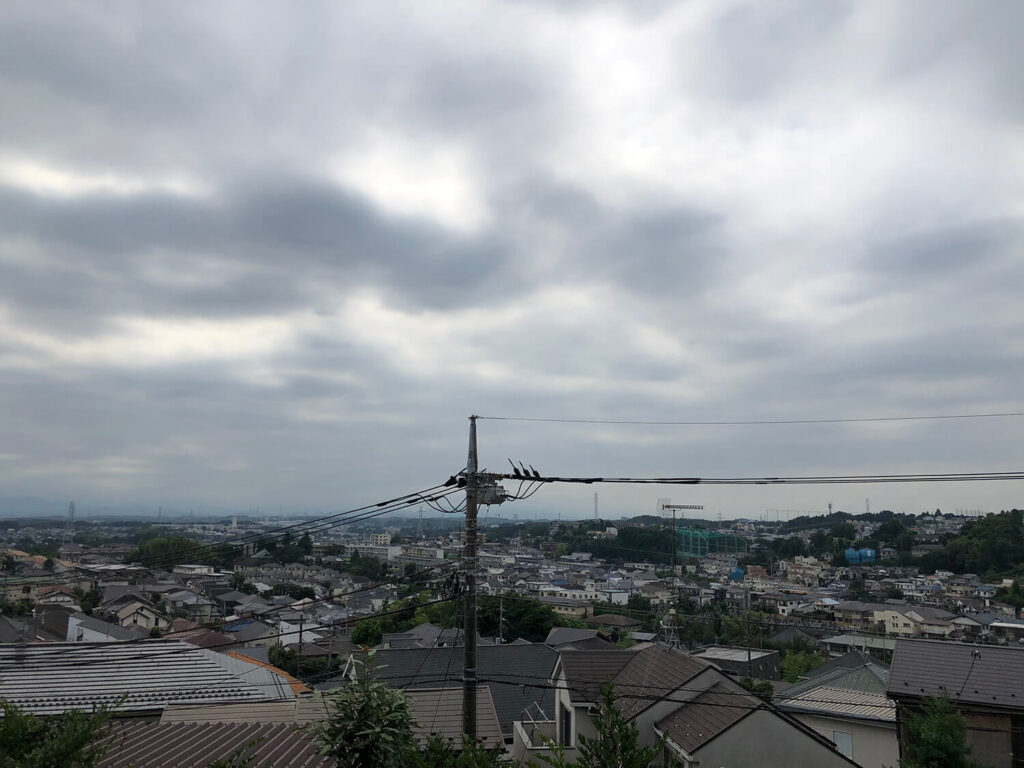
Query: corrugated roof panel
column 841, row 701
column 192, row 745
column 55, row 677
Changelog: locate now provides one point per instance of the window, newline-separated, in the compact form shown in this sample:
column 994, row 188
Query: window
column 566, row 726
column 843, row 743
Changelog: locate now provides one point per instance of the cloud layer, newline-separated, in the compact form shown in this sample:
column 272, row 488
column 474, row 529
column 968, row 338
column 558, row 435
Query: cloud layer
column 257, row 255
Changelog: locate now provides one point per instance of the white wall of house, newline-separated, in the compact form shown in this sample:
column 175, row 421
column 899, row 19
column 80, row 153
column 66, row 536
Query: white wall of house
column 874, row 744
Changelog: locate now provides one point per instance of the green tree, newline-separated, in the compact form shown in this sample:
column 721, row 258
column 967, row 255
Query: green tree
column 306, row 545
column 936, row 738
column 87, row 600
column 368, row 632
column 617, row 744
column 760, row 688
column 639, row 603
column 369, row 725
column 843, row 531
column 442, row 753
column 795, row 664
column 74, row 739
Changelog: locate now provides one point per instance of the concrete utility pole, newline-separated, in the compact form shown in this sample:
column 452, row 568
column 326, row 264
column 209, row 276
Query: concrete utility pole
column 469, row 625
column 481, row 488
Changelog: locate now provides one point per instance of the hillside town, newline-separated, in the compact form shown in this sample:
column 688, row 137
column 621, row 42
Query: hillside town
column 824, row 656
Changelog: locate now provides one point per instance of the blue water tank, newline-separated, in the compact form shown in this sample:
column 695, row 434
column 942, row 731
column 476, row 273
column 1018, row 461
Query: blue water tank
column 853, row 556
column 867, row 555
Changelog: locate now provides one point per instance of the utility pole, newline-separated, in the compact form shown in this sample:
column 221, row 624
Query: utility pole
column 481, row 488
column 469, row 625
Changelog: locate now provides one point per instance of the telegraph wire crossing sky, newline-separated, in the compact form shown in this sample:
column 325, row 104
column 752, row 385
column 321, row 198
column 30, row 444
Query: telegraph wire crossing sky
column 257, row 256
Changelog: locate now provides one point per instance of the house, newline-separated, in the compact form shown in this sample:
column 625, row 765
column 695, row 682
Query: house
column 518, row 675
column 189, row 605
column 878, row 646
column 252, row 632
column 563, row 606
column 613, row 622
column 847, row 704
column 141, row 614
column 984, row 682
column 703, row 717
column 136, row 678
column 88, row 629
column 563, row 637
column 745, row 662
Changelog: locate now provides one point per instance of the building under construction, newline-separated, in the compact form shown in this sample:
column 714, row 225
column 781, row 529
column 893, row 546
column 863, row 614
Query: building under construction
column 698, row 542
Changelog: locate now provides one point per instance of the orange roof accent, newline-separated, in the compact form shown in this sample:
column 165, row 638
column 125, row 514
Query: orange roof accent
column 297, row 685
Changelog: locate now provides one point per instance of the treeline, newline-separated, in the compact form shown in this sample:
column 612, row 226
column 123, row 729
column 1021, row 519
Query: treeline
column 992, row 547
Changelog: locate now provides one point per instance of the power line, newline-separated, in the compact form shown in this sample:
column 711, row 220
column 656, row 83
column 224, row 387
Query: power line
column 937, row 477
column 755, row 422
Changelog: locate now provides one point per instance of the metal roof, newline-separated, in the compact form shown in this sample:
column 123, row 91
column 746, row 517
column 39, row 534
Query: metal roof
column 697, row 722
column 983, row 675
column 195, row 745
column 725, row 653
column 828, row 700
column 300, row 710
column 862, row 641
column 50, row 678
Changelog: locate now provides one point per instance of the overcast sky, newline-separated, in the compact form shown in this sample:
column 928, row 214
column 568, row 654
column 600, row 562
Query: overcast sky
column 273, row 255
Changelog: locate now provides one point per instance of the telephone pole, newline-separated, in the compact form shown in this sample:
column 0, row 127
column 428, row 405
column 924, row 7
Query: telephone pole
column 481, row 488
column 469, row 625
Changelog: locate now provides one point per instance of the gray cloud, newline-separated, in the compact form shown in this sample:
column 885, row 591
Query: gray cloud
column 252, row 257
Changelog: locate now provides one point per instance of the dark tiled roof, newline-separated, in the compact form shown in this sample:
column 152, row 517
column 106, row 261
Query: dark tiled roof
column 934, row 667
column 195, row 745
column 655, row 671
column 509, row 670
column 867, row 678
column 560, row 635
column 849, row 660
column 438, row 712
column 699, row 721
column 586, row 670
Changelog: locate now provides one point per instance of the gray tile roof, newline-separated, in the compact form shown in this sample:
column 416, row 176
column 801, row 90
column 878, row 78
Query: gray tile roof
column 653, row 672
column 509, row 670
column 867, row 678
column 560, row 635
column 985, row 675
column 849, row 660
column 50, row 678
column 585, row 670
column 438, row 712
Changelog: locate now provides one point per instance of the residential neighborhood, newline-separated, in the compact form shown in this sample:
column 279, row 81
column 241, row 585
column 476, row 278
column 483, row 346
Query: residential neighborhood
column 813, row 656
